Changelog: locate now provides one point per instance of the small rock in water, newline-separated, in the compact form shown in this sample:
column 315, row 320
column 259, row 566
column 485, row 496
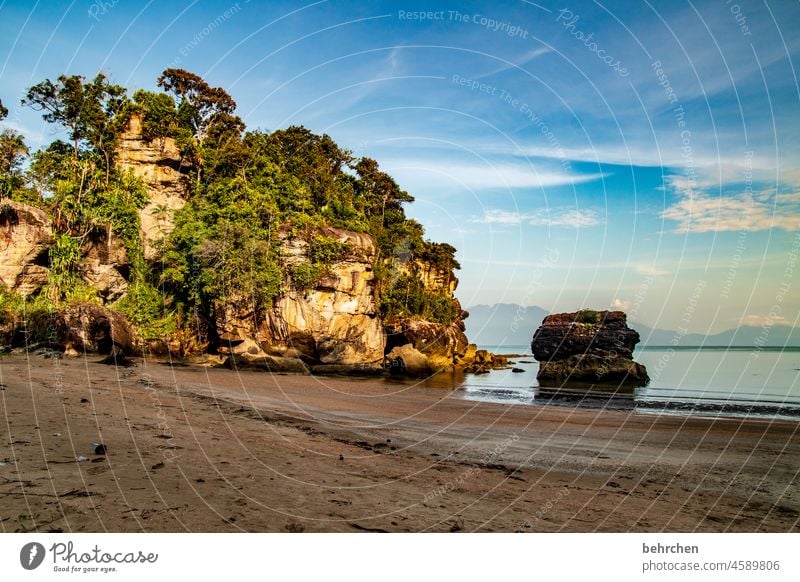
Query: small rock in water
column 517, row 370
column 341, row 457
column 84, row 400
column 99, row 449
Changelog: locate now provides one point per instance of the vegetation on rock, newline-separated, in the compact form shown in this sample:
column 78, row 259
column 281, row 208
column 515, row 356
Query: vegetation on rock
column 248, row 191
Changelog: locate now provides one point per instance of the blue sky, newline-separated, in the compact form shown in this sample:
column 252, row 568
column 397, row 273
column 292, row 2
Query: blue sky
column 578, row 154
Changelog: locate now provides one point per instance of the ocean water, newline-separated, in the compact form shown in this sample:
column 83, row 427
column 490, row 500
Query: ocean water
column 695, row 381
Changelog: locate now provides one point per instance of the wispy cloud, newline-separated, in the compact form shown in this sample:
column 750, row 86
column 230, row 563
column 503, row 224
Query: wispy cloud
column 761, row 320
column 482, row 176
column 651, row 270
column 699, row 211
column 562, row 217
column 524, row 60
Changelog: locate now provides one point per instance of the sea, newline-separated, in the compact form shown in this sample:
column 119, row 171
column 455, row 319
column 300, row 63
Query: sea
column 702, row 381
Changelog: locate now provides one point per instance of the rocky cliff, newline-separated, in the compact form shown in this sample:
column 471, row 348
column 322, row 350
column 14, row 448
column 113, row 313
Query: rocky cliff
column 26, row 234
column 587, row 347
column 159, row 164
column 334, row 323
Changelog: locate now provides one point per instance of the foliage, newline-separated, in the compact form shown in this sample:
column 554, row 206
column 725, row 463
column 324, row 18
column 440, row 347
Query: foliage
column 10, row 304
column 251, row 191
column 147, row 309
column 12, row 152
column 159, row 117
column 588, row 316
column 408, row 298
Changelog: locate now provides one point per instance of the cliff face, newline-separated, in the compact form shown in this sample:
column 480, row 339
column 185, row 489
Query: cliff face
column 26, row 234
column 158, row 164
column 587, row 346
column 335, row 325
column 335, row 322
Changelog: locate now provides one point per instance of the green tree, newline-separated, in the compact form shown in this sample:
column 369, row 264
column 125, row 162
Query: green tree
column 12, row 152
column 93, row 112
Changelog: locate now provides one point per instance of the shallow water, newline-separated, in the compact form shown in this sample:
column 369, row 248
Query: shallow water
column 702, row 381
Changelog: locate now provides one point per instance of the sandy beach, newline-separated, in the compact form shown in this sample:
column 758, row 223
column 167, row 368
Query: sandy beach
column 211, row 450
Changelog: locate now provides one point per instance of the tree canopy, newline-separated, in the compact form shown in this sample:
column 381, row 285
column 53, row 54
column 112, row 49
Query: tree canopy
column 250, row 190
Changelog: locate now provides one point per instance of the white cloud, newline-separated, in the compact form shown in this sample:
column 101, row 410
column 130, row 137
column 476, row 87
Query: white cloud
column 481, row 176
column 566, row 217
column 698, row 211
column 761, row 320
column 651, row 270
column 620, row 305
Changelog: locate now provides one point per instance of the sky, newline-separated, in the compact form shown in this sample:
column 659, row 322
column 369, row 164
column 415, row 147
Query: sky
column 636, row 156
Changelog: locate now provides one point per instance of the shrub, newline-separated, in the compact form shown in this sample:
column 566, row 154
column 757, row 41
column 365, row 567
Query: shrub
column 588, row 316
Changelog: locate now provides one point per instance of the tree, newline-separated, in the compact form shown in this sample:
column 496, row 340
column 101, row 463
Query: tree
column 203, row 112
column 159, row 116
column 199, row 104
column 92, row 112
column 3, row 111
column 12, row 151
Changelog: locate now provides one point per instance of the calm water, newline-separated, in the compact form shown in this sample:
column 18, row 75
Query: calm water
column 707, row 381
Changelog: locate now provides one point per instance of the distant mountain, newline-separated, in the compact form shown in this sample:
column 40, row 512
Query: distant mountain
column 508, row 324
column 743, row 336
column 503, row 324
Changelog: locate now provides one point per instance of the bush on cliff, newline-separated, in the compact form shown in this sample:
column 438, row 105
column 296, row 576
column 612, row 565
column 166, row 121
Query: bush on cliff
column 247, row 189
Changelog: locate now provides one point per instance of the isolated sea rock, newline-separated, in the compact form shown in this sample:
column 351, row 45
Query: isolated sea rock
column 26, row 234
column 159, row 164
column 88, row 328
column 587, row 346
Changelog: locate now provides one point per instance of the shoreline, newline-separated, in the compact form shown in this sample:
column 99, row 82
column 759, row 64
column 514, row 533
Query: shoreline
column 203, row 449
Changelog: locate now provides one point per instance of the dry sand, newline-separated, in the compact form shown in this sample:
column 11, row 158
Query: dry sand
column 197, row 449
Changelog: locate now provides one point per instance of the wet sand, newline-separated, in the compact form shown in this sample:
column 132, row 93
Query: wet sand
column 210, row 450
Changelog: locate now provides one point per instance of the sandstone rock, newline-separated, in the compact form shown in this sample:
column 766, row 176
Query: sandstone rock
column 159, row 165
column 587, row 346
column 565, row 334
column 484, row 361
column 25, row 236
column 408, row 361
column 336, row 322
column 442, row 345
column 591, row 368
column 88, row 328
column 104, row 262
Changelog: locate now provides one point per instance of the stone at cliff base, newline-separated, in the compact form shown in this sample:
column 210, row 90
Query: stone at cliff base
column 443, row 346
column 587, row 347
column 407, row 360
column 87, row 328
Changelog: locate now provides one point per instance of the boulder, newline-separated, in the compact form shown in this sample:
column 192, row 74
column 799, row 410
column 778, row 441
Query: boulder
column 587, row 347
column 406, row 360
column 26, row 234
column 443, row 346
column 88, row 328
